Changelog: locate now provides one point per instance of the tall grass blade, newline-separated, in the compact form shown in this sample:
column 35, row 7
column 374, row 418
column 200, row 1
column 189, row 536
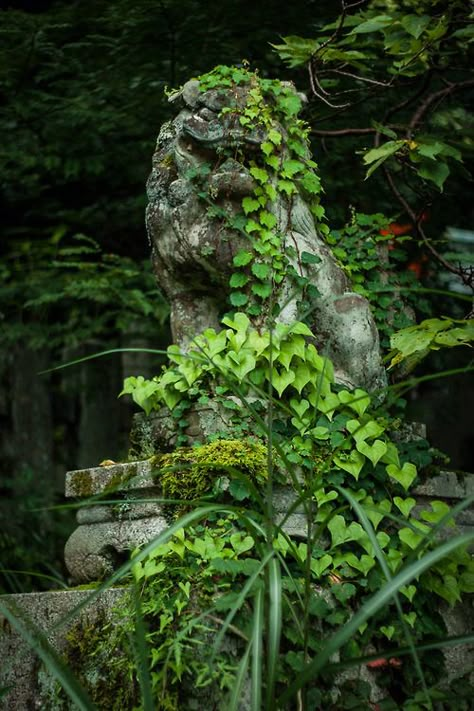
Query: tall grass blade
column 274, row 625
column 38, row 642
column 373, row 605
column 141, row 654
column 257, row 650
column 242, row 671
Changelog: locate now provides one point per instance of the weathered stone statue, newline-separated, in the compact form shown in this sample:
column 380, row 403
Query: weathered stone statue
column 202, row 158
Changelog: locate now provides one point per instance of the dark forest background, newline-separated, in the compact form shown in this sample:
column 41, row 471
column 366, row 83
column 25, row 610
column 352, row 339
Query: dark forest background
column 82, row 98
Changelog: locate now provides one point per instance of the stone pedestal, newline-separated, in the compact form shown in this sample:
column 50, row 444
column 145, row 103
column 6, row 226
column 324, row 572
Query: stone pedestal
column 108, row 532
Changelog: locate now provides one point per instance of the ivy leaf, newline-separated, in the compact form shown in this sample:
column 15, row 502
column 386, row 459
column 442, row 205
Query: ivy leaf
column 252, row 226
column 271, row 191
column 368, row 430
column 274, row 136
column 287, row 186
column 267, row 148
column 409, row 591
column 387, row 630
column 262, row 290
column 358, row 400
column 410, row 537
column 242, row 258
column 260, row 270
column 351, row 463
column 303, row 375
column 311, row 183
column 267, row 218
column 291, row 167
column 238, row 280
column 259, row 174
column 280, row 381
column 310, row 258
column 327, row 404
column 237, row 298
column 405, row 476
column 319, row 566
column 249, row 204
column 404, row 505
column 374, row 451
column 342, row 533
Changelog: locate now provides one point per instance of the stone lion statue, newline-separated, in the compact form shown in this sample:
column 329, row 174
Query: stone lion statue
column 200, row 170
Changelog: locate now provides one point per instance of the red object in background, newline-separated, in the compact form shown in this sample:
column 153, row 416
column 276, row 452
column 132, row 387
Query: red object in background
column 382, row 663
column 397, row 229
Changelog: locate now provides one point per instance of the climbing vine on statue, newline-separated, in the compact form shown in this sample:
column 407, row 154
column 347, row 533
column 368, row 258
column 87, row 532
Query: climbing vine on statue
column 292, row 421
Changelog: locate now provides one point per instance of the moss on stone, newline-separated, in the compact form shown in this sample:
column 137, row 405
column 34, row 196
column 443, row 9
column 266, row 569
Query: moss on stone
column 189, row 472
column 82, row 483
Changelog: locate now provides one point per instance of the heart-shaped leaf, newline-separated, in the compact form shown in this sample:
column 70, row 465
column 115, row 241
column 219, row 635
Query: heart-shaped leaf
column 351, row 463
column 323, row 498
column 409, row 591
column 404, row 505
column 319, row 566
column 368, row 430
column 358, row 400
column 280, row 381
column 405, row 476
column 376, row 512
column 374, row 451
column 327, row 404
column 387, row 630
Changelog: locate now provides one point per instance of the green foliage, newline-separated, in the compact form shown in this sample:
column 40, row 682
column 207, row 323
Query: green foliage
column 412, row 344
column 99, row 294
column 280, row 168
column 190, row 473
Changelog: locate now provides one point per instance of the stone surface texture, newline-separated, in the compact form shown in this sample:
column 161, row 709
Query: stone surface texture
column 193, row 252
column 19, row 665
column 108, row 532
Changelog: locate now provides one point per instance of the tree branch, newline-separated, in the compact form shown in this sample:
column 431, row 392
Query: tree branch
column 434, row 97
column 466, row 275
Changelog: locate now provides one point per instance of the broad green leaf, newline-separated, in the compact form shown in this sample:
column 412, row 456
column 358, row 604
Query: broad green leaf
column 405, row 476
column 319, row 566
column 242, row 258
column 303, row 376
column 384, row 151
column 351, row 463
column 342, row 533
column 262, row 290
column 373, row 25
column 249, row 204
column 259, row 174
column 292, row 167
column 238, row 279
column 404, row 505
column 374, row 451
column 280, row 381
column 408, row 591
column 415, row 24
column 311, row 183
column 237, row 298
column 274, row 136
column 437, row 172
column 358, row 400
column 361, row 432
column 387, row 630
column 260, row 270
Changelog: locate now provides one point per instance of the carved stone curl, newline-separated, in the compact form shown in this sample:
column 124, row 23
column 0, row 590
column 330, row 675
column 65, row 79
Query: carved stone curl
column 193, row 251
